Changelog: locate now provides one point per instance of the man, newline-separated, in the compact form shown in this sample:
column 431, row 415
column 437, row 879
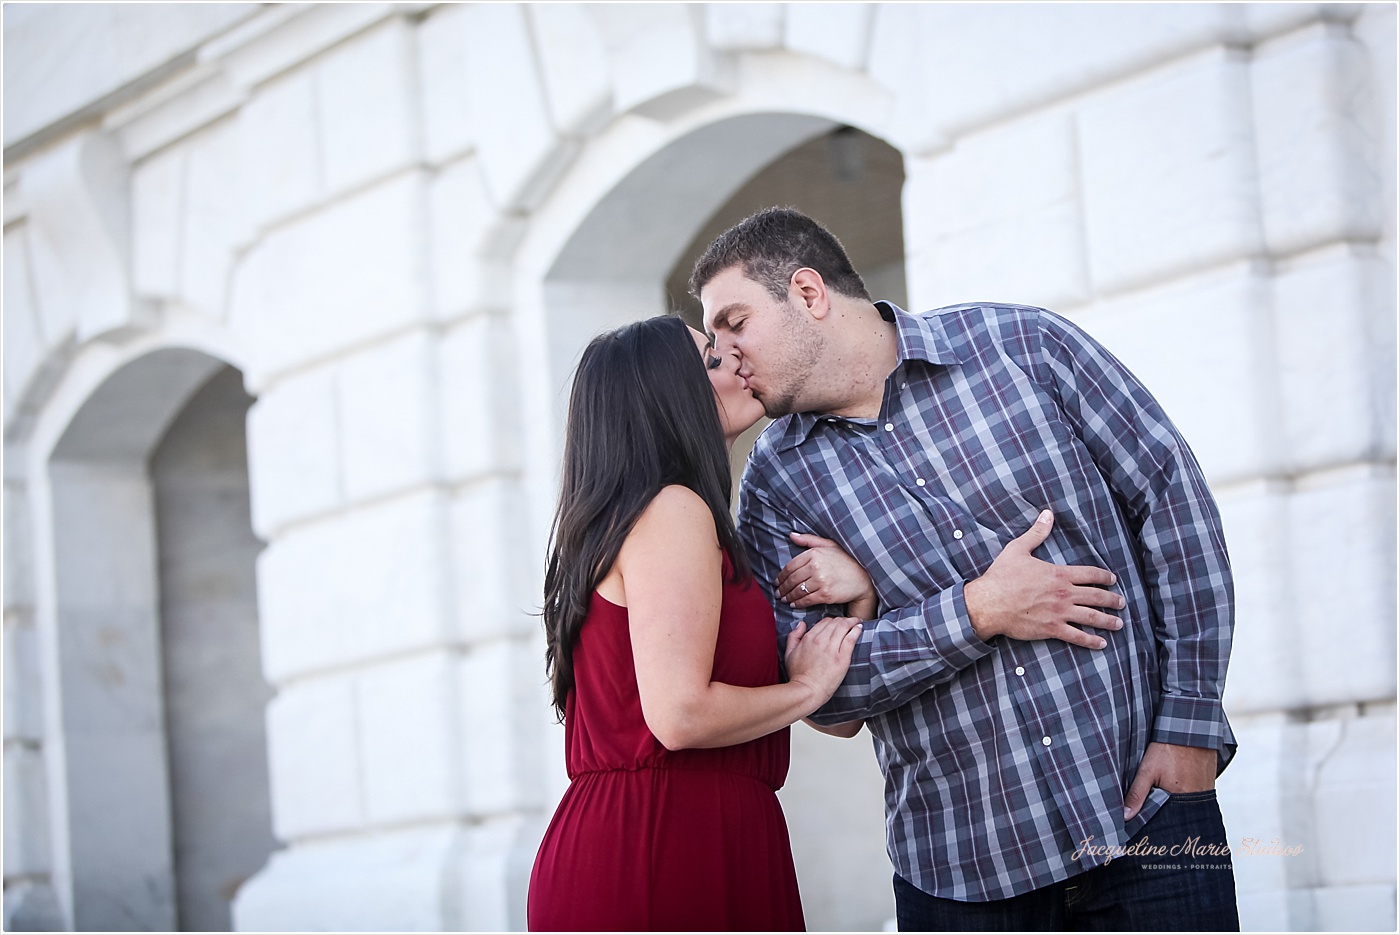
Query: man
column 1019, row 750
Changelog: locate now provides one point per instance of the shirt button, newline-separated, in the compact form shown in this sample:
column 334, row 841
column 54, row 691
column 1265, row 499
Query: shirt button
column 1045, row 740
column 1020, row 670
column 889, row 426
column 957, row 533
column 921, row 482
column 903, row 385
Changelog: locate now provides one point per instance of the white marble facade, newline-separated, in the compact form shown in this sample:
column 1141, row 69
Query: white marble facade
column 396, row 226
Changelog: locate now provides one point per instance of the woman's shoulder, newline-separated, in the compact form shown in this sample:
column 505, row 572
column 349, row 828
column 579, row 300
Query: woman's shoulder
column 675, row 512
column 677, row 501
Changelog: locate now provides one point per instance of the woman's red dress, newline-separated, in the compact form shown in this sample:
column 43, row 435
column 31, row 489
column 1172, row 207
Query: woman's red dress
column 649, row 839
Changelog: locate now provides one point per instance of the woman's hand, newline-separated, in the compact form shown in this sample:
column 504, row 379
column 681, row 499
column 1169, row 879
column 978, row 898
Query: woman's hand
column 825, row 574
column 819, row 657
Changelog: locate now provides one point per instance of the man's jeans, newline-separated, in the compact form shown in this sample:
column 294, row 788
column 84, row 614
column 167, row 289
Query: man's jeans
column 1181, row 893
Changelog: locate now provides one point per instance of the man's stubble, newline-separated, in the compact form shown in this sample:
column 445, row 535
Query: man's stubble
column 796, row 365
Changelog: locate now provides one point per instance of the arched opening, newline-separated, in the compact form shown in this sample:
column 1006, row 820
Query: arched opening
column 630, row 258
column 165, row 803
column 845, row 178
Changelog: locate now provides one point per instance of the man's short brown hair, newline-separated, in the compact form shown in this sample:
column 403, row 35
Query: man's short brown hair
column 773, row 244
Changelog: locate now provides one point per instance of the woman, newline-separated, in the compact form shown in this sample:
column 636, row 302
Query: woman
column 660, row 650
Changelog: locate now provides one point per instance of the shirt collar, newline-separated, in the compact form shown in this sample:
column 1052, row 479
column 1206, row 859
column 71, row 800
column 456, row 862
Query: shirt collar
column 917, row 337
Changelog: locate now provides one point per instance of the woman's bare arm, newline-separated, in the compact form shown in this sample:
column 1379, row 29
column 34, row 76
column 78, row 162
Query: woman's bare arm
column 670, row 566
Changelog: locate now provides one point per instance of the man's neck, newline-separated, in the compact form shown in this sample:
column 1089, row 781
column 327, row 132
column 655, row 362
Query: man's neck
column 866, row 351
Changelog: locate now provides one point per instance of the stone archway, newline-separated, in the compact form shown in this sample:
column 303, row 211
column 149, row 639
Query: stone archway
column 848, row 180
column 613, row 268
column 622, row 262
column 154, row 622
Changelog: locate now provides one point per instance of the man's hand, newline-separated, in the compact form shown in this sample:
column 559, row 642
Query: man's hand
column 1173, row 768
column 1027, row 599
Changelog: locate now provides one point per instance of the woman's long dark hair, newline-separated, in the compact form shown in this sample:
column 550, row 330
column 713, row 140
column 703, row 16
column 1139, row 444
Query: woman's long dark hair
column 642, row 416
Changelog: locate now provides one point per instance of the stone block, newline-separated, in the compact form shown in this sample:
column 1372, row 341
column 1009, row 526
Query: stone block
column 468, row 236
column 1264, row 672
column 409, row 732
column 1319, row 172
column 284, row 38
column 521, row 155
column 1264, row 799
column 1263, row 912
column 119, row 830
column 387, row 414
column 26, row 812
column 294, row 462
column 280, row 152
column 1168, row 172
column 1354, row 799
column 1223, row 403
column 122, row 698
column 1034, row 259
column 499, row 695
column 895, row 61
column 103, row 49
column 387, row 881
column 442, row 83
column 355, row 587
column 18, row 548
column 489, row 549
column 337, row 278
column 79, row 198
column 998, row 175
column 1335, row 338
column 1355, row 908
column 32, row 906
column 1031, row 54
column 313, row 745
column 481, row 421
column 180, row 108
column 1375, row 28
column 1265, row 20
column 659, row 62
column 213, row 219
column 23, row 338
column 1342, row 528
column 366, row 94
column 23, row 687
column 837, row 32
column 157, row 205
column 744, row 26
column 573, row 66
column 491, row 871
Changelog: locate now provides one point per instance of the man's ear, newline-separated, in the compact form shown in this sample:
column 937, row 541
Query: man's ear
column 808, row 290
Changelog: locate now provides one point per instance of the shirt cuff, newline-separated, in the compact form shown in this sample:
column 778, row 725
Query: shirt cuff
column 952, row 633
column 1189, row 722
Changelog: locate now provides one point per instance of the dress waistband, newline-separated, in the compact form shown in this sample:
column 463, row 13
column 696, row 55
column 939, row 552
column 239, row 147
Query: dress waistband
column 674, row 767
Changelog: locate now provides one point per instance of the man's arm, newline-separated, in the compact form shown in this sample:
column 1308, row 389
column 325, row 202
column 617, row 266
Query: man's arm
column 899, row 655
column 1170, row 510
column 911, row 649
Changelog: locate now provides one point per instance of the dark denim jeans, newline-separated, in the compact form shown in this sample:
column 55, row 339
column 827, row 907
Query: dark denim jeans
column 1167, row 893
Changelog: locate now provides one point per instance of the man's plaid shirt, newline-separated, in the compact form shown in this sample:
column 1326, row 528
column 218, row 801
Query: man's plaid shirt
column 1001, row 758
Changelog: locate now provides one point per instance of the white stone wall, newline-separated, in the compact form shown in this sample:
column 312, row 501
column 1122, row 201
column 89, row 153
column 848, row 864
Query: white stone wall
column 402, row 221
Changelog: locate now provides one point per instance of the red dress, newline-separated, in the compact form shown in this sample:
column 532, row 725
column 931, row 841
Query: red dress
column 649, row 839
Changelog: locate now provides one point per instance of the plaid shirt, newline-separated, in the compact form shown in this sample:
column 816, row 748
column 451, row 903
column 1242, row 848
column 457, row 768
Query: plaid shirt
column 1000, row 758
